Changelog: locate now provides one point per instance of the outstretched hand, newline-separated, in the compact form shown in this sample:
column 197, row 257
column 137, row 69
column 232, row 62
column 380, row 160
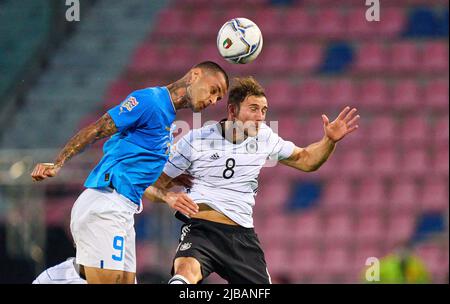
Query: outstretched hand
column 44, row 170
column 345, row 123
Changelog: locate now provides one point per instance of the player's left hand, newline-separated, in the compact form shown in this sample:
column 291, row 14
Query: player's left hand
column 345, row 123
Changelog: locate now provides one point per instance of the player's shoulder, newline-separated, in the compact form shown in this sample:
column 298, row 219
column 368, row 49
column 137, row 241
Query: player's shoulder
column 205, row 132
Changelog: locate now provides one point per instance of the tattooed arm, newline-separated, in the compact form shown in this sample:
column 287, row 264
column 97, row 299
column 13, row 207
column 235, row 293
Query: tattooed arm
column 100, row 129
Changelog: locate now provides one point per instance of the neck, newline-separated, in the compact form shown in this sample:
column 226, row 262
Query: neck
column 179, row 93
column 232, row 133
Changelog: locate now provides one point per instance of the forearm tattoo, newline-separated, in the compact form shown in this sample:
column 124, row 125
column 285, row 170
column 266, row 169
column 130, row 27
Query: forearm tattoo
column 100, row 129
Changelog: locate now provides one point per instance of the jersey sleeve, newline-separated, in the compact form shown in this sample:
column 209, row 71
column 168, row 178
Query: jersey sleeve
column 181, row 156
column 282, row 149
column 132, row 112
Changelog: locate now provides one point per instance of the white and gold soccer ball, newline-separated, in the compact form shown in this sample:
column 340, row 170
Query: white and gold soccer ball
column 239, row 40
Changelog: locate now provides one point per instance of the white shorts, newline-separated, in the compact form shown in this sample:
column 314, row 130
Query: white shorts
column 102, row 226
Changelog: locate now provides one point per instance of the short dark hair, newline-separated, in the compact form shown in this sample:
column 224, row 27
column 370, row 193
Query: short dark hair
column 214, row 67
column 242, row 88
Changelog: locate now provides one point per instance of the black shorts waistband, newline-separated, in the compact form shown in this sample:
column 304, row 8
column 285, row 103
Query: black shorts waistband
column 223, row 227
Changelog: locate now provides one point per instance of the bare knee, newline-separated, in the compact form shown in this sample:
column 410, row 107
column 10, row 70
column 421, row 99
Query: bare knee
column 189, row 268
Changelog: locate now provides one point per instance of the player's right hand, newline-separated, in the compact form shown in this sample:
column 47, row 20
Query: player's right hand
column 181, row 202
column 44, row 170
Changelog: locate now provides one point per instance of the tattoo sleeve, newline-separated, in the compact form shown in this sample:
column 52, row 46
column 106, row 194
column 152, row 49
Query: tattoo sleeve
column 100, row 129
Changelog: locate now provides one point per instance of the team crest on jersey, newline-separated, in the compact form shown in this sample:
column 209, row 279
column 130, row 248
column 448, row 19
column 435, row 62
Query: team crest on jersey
column 252, row 146
column 185, row 246
column 129, row 104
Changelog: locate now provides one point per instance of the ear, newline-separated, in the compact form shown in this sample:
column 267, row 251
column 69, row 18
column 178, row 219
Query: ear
column 194, row 74
column 232, row 111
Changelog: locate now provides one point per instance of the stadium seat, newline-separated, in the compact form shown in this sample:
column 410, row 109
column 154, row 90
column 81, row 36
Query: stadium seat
column 370, row 229
column 342, row 92
column 289, row 127
column 357, row 25
column 434, row 57
column 392, row 23
column 204, row 24
column 414, row 130
column 406, row 95
column 371, row 57
column 404, row 196
column 306, row 57
column 436, row 94
column 440, row 161
column 333, row 28
column 274, row 58
column 434, row 195
column 400, row 229
column 404, row 57
column 171, row 23
column 382, row 130
column 311, row 94
column 441, row 131
column 276, row 258
column 337, row 195
column 298, row 23
column 353, row 163
column 373, row 95
column 116, row 93
column 334, row 262
column 304, row 261
column 271, row 204
column 269, row 22
column 415, row 162
column 307, row 228
column 179, row 58
column 338, row 229
column 370, row 196
column 146, row 59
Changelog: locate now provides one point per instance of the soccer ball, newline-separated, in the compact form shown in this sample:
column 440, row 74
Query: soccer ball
column 239, row 41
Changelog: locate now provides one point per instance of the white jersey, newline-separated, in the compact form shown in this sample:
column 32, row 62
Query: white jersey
column 63, row 273
column 226, row 174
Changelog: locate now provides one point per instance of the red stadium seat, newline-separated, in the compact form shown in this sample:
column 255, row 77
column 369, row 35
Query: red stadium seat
column 306, row 57
column 434, row 195
column 338, row 229
column 370, row 229
column 440, row 161
column 272, row 197
column 415, row 162
column 357, row 25
column 171, row 23
column 280, row 95
column 404, row 57
column 382, row 130
column 435, row 57
column 441, row 131
column 370, row 196
column 353, row 163
column 311, row 94
column 337, row 195
column 274, row 58
column 436, row 94
column 334, row 27
column 335, row 262
column 276, row 258
column 305, row 261
column 269, row 22
column 307, row 228
column 373, row 95
column 289, row 127
column 371, row 57
column 209, row 52
column 116, row 93
column 415, row 130
column 204, row 24
column 298, row 23
column 407, row 95
column 400, row 229
column 146, row 58
column 392, row 24
column 179, row 58
column 403, row 196
column 384, row 162
column 342, row 92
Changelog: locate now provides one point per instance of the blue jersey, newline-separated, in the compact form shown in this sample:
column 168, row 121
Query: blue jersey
column 135, row 156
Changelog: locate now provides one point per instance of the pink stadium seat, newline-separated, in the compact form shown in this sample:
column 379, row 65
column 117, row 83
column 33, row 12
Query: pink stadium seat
column 371, row 57
column 384, row 162
column 313, row 129
column 276, row 258
column 415, row 162
column 334, row 27
column 370, row 229
column 179, row 58
column 204, row 24
column 435, row 57
column 274, row 58
column 117, row 92
column 209, row 52
column 289, row 127
column 269, row 22
column 338, row 229
column 357, row 25
column 146, row 58
column 373, row 95
column 272, row 197
column 342, row 92
column 414, row 130
column 400, row 228
column 403, row 196
column 434, row 195
column 392, row 23
column 370, row 196
column 306, row 57
column 382, row 130
column 404, row 57
column 311, row 94
column 441, row 131
column 277, row 229
column 337, row 195
column 407, row 95
column 436, row 94
column 335, row 262
column 353, row 163
column 440, row 161
column 298, row 23
column 305, row 261
column 171, row 23
column 307, row 228
column 280, row 95
column 229, row 13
